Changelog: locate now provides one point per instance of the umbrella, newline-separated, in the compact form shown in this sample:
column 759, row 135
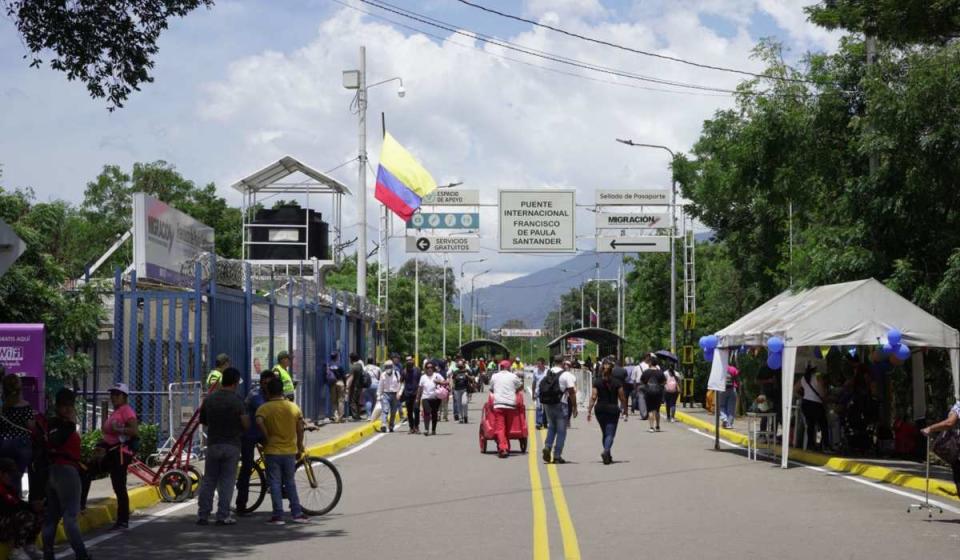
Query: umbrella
column 666, row 355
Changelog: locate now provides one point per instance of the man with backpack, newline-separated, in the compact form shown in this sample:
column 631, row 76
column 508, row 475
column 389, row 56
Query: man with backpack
column 557, row 394
column 463, row 381
column 538, row 374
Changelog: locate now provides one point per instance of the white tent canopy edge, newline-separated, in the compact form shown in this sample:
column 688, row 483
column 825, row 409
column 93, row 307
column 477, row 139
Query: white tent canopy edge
column 856, row 313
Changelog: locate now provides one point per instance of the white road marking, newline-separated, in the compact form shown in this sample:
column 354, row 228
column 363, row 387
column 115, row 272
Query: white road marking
column 172, row 509
column 848, row 476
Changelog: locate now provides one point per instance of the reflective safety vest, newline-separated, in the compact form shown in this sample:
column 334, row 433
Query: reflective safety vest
column 286, row 378
column 213, row 377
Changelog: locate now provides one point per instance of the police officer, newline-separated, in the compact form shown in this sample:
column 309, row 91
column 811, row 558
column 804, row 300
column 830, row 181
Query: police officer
column 222, row 363
column 282, row 370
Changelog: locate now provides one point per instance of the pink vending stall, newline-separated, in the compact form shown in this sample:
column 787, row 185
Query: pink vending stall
column 22, row 348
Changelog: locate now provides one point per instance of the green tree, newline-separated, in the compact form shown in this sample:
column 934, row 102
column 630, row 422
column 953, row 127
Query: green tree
column 107, row 44
column 34, row 291
column 900, row 21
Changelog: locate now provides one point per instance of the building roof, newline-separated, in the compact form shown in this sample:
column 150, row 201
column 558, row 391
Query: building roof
column 266, row 179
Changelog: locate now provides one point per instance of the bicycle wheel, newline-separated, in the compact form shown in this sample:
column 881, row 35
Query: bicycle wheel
column 318, row 485
column 258, row 490
column 174, row 486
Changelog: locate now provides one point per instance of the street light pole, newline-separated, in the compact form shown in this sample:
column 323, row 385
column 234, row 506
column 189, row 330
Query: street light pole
column 462, row 286
column 444, row 306
column 673, row 229
column 473, row 303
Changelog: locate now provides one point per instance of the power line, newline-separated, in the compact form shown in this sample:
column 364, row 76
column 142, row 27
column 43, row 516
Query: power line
column 546, row 56
column 631, row 49
column 524, row 62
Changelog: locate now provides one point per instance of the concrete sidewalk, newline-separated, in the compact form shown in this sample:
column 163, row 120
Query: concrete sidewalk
column 900, row 472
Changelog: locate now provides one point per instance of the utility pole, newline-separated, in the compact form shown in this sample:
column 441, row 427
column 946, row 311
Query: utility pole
column 444, row 306
column 362, row 179
column 598, row 295
column 463, row 284
column 416, row 311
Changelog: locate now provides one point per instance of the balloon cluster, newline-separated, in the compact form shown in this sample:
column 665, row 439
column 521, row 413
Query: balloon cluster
column 895, row 347
column 708, row 344
column 775, row 352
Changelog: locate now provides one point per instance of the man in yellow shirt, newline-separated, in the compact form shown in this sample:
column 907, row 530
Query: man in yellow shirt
column 281, row 423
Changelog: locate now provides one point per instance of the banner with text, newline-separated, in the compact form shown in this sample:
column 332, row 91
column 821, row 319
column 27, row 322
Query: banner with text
column 537, row 221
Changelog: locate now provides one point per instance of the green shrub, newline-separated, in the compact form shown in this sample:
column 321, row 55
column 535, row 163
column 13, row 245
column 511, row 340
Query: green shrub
column 148, row 440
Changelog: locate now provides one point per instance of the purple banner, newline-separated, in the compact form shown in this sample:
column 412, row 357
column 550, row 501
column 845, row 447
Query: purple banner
column 22, row 350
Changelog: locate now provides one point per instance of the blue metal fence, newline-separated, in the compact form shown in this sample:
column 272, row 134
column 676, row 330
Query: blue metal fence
column 168, row 335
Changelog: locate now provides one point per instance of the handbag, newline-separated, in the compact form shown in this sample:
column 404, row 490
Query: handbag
column 442, row 393
column 947, row 446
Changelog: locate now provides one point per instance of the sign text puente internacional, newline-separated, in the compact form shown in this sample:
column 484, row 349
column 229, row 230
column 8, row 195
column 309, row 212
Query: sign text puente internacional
column 537, row 221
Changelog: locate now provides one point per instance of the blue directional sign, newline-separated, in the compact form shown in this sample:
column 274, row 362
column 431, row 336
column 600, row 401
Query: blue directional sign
column 444, row 220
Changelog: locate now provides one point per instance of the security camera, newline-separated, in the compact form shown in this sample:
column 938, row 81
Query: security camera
column 401, row 92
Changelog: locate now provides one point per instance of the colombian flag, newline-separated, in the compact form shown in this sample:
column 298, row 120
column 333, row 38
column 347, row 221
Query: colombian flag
column 401, row 180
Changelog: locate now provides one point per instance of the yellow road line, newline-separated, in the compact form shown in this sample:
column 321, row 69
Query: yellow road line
column 571, row 546
column 541, row 541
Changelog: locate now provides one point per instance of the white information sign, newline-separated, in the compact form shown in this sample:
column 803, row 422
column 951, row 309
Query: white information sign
column 644, row 244
column 631, row 221
column 452, row 197
column 643, row 197
column 537, row 221
column 164, row 239
column 521, row 333
column 436, row 244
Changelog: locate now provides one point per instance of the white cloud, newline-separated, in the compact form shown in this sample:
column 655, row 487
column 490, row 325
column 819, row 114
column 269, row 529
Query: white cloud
column 560, row 10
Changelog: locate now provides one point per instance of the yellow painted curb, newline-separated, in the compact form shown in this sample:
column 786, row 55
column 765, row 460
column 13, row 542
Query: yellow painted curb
column 878, row 473
column 104, row 511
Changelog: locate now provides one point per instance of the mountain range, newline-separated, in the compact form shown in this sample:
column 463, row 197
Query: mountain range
column 531, row 297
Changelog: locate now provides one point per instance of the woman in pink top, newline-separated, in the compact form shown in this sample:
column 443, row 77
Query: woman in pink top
column 112, row 454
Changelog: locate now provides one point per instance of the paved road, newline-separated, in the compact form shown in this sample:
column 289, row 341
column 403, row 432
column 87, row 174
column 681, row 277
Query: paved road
column 669, row 495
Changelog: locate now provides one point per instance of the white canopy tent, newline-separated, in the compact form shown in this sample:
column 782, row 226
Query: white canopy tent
column 849, row 314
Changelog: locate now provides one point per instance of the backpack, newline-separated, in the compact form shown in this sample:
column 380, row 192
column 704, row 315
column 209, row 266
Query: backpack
column 671, row 384
column 550, row 392
column 366, row 381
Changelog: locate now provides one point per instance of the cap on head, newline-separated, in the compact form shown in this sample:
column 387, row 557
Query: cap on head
column 222, row 360
column 120, row 388
column 505, row 364
column 282, row 355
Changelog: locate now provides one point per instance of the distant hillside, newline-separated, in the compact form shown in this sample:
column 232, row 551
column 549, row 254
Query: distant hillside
column 530, row 298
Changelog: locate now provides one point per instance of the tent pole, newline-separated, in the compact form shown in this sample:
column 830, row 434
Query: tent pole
column 716, row 420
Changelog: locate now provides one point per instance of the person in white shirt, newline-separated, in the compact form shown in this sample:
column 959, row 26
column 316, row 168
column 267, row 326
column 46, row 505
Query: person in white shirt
column 370, row 393
column 428, row 394
column 504, row 385
column 558, row 395
column 387, row 395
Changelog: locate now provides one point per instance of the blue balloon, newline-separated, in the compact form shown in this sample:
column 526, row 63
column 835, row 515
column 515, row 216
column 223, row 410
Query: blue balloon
column 775, row 344
column 903, row 352
column 703, row 342
column 894, row 337
column 888, row 348
column 712, row 341
column 774, row 360
column 708, row 354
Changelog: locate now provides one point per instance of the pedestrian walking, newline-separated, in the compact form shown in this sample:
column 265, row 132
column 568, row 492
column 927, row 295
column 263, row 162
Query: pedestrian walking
column 17, row 423
column 337, row 379
column 411, row 385
column 463, row 382
column 653, row 382
column 441, row 368
column 812, row 407
column 371, row 378
column 220, row 365
column 952, row 422
column 430, row 395
column 671, row 391
column 252, row 436
column 355, row 386
column 282, row 425
column 388, row 394
column 226, row 420
column 504, row 385
column 538, row 374
column 283, row 372
column 64, row 486
column 606, row 401
column 557, row 393
column 113, row 453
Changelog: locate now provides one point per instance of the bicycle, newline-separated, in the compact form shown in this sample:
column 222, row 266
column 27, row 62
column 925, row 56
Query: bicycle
column 318, row 482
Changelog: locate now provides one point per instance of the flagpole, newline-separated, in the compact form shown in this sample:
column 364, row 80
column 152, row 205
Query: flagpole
column 362, row 179
column 416, row 311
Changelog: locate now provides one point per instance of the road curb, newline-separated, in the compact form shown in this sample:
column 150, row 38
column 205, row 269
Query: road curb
column 838, row 464
column 104, row 512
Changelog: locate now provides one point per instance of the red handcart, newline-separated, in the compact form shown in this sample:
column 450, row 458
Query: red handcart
column 516, row 424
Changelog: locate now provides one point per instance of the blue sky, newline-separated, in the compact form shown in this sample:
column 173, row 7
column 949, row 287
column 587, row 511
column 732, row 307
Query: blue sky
column 243, row 83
